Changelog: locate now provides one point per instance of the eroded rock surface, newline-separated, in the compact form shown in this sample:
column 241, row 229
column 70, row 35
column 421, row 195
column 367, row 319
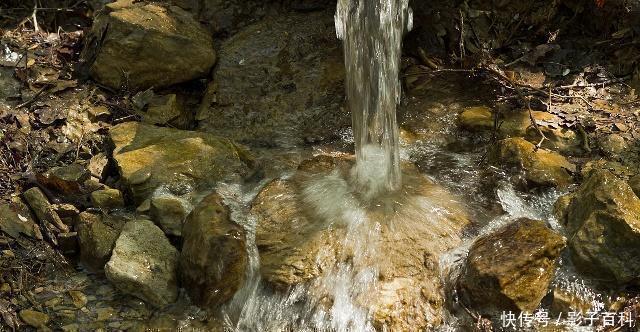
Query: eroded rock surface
column 149, row 157
column 139, row 45
column 214, row 257
column 311, row 226
column 279, row 81
column 511, row 269
column 603, row 222
column 144, row 264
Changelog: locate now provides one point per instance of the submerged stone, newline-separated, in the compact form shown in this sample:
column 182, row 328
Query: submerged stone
column 603, row 221
column 139, row 45
column 144, row 264
column 214, row 257
column 511, row 269
column 540, row 167
column 34, row 318
column 312, row 227
column 149, row 157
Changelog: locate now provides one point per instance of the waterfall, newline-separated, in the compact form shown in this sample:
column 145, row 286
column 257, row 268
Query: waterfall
column 372, row 32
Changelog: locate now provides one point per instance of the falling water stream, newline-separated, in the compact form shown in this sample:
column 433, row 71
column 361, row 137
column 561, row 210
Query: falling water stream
column 372, row 33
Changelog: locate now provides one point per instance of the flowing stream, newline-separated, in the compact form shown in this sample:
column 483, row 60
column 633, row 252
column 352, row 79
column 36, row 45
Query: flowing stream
column 372, row 34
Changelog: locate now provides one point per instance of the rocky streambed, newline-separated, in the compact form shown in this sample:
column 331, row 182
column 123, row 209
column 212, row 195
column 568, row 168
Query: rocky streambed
column 204, row 183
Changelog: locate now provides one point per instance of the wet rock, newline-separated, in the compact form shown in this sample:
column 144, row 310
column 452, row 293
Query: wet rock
column 565, row 301
column 511, row 269
column 107, row 199
column 148, row 157
column 43, row 210
column 97, row 235
column 278, row 81
column 477, row 118
column 304, row 236
column 214, row 257
column 16, row 219
column 144, row 264
column 517, row 123
column 540, row 167
column 142, row 45
column 78, row 298
column 169, row 212
column 613, row 145
column 34, row 318
column 67, row 180
column 603, row 222
column 634, row 182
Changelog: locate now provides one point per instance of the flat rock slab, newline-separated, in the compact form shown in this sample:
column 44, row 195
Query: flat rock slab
column 144, row 264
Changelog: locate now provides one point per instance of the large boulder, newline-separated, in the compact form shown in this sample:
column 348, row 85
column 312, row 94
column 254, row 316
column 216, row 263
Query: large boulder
column 603, row 222
column 149, row 157
column 540, row 167
column 312, row 227
column 144, row 264
column 511, row 269
column 97, row 235
column 278, row 82
column 139, row 45
column 214, row 257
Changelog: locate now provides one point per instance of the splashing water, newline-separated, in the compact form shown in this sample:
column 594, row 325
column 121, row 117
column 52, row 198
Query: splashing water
column 372, row 33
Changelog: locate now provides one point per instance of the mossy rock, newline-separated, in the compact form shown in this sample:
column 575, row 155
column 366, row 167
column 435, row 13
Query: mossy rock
column 540, row 167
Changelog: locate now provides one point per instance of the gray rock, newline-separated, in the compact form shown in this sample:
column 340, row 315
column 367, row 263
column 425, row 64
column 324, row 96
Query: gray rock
column 214, row 257
column 142, row 45
column 278, row 82
column 144, row 264
column 511, row 269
